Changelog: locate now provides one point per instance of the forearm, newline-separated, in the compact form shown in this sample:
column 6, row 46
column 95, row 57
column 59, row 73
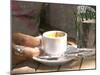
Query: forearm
column 25, row 40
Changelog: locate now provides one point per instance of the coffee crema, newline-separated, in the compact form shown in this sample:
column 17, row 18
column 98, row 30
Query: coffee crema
column 55, row 34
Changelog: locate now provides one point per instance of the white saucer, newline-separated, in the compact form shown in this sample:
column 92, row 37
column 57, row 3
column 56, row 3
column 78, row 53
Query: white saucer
column 54, row 61
column 71, row 53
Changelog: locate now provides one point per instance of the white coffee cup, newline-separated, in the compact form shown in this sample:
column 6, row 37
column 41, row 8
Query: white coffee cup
column 54, row 42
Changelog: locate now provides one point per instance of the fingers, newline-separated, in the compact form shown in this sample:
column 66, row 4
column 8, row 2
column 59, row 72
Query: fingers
column 31, row 52
column 22, row 53
column 25, row 40
column 26, row 51
column 15, row 57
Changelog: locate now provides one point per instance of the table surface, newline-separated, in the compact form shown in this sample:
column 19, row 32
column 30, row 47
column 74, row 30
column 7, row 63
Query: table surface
column 32, row 66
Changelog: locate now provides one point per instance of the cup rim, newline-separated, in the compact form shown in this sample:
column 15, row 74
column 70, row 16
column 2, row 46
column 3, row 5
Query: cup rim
column 45, row 34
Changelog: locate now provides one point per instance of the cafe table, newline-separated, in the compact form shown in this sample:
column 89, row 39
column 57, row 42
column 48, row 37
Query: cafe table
column 32, row 67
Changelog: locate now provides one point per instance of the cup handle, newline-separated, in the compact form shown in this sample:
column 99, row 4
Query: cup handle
column 41, row 42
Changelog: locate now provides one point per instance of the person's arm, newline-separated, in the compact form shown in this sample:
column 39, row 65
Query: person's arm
column 24, row 47
column 25, row 40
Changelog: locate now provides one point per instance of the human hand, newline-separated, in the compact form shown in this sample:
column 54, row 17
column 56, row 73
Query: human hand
column 24, row 47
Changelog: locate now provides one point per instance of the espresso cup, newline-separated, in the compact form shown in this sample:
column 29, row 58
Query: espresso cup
column 54, row 43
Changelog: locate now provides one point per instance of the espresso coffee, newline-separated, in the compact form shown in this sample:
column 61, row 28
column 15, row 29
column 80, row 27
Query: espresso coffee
column 55, row 34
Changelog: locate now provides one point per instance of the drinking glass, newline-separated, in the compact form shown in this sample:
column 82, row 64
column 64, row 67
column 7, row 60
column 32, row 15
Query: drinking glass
column 86, row 27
